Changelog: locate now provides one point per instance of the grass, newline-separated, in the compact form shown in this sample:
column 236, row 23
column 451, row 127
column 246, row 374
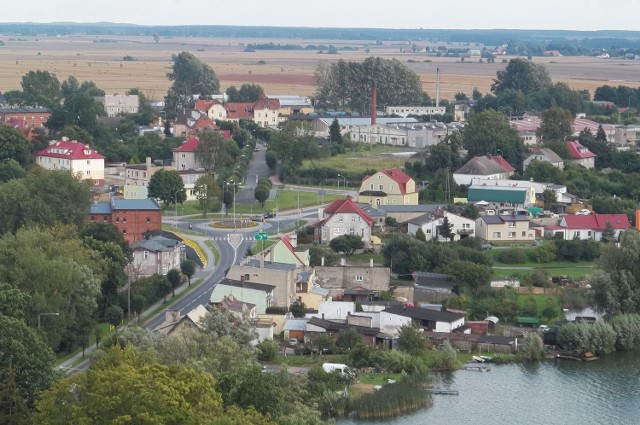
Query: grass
column 569, row 272
column 378, row 378
column 366, row 157
column 539, row 298
column 262, row 245
column 216, row 253
column 378, row 259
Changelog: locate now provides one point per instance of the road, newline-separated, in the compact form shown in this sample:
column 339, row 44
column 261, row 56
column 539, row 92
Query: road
column 257, row 170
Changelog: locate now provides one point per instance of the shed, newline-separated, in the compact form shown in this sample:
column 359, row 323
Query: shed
column 527, row 321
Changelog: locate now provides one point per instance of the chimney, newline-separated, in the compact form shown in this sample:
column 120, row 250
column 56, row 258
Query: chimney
column 272, row 256
column 370, row 262
column 148, row 162
column 242, row 280
column 322, row 261
column 293, row 240
column 437, row 87
column 374, row 111
column 343, row 261
column 261, row 255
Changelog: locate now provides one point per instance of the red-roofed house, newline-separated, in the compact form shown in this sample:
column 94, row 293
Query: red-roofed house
column 264, row 112
column 388, row 187
column 581, row 155
column 74, row 156
column 214, row 109
column 503, row 162
column 286, row 251
column 343, row 217
column 589, row 226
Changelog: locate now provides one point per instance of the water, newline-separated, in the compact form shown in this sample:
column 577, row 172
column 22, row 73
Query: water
column 606, row 391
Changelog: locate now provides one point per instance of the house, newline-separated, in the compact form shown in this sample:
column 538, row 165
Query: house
column 462, row 227
column 429, row 287
column 286, row 251
column 405, row 111
column 265, row 111
column 413, row 135
column 175, row 323
column 496, row 228
column 293, row 105
column 581, row 155
column 280, row 275
column 26, row 117
column 388, row 187
column 117, row 104
column 343, row 217
column 429, row 320
column 214, row 109
column 320, row 125
column 237, row 308
column 543, row 154
column 156, row 255
column 536, row 189
column 339, row 279
column 589, row 226
column 308, row 292
column 259, row 295
column 295, row 329
column 501, row 196
column 76, row 157
column 530, row 123
column 133, row 217
column 370, row 336
column 404, row 213
column 483, row 167
column 190, row 123
column 137, row 177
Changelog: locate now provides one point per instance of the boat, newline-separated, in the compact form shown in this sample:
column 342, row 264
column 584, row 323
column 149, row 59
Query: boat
column 487, row 359
column 478, row 359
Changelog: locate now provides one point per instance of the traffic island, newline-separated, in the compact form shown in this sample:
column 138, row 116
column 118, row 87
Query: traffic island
column 229, row 224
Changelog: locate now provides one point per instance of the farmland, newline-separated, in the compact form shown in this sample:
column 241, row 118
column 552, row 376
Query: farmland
column 88, row 57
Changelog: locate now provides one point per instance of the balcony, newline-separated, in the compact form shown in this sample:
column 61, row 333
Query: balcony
column 465, row 231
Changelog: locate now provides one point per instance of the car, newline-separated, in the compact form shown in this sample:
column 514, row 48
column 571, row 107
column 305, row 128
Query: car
column 583, row 211
column 293, row 342
column 543, row 328
column 486, row 246
column 256, row 149
column 257, row 218
column 270, row 215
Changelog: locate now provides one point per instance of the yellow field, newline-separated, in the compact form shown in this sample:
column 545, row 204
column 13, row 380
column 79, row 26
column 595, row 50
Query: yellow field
column 284, row 72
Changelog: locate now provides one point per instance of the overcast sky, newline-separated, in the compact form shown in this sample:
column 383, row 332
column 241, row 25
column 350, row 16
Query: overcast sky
column 466, row 14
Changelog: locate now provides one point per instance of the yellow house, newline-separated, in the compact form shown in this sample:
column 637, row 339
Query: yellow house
column 388, row 187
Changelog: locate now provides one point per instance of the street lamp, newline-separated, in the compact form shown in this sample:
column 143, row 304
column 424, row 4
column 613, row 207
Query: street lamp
column 345, row 181
column 46, row 314
column 232, row 183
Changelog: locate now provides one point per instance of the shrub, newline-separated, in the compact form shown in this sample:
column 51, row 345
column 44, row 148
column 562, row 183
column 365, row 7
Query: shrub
column 267, row 350
column 532, row 348
column 511, row 256
column 545, row 252
column 446, row 357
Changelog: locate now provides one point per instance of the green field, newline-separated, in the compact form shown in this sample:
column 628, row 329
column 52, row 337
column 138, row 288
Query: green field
column 554, row 268
column 365, row 158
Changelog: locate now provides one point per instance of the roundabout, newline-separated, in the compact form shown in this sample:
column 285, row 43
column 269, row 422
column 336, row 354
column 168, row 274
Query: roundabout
column 230, row 224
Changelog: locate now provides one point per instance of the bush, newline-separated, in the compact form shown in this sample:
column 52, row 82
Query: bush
column 580, row 338
column 511, row 256
column 532, row 348
column 446, row 357
column 267, row 350
column 114, row 315
column 545, row 252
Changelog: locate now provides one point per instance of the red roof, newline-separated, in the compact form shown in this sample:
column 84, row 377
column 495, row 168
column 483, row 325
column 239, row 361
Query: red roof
column 597, row 221
column 577, row 151
column 503, row 162
column 239, row 110
column 69, row 150
column 398, row 176
column 345, row 206
column 266, row 103
column 191, row 145
column 203, row 105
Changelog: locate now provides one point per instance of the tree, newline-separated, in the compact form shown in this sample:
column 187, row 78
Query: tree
column 10, row 169
column 247, row 93
column 320, row 343
column 12, row 301
column 188, row 268
column 27, row 356
column 41, row 88
column 261, row 194
column 521, row 74
column 601, row 136
column 411, row 341
column 206, row 190
column 334, row 132
column 210, row 145
column 532, row 348
column 298, row 309
column 13, row 145
column 348, row 339
column 126, row 386
column 405, row 253
column 220, row 323
column 189, row 76
column 167, row 186
column 440, row 156
column 175, row 279
column 420, row 235
column 317, row 253
column 267, row 350
column 347, row 244
column 489, row 132
column 556, row 125
column 114, row 315
column 543, row 171
column 13, row 409
column 446, row 229
column 271, row 159
column 469, row 277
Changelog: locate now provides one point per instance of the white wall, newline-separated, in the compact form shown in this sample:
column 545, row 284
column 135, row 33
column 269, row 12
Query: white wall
column 448, row 327
column 388, row 319
column 335, row 310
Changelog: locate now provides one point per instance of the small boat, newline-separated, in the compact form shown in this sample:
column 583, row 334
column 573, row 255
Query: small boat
column 478, row 359
column 487, row 359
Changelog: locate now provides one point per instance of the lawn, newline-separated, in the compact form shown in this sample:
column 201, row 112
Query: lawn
column 378, row 259
column 539, row 298
column 310, row 361
column 357, row 162
column 579, row 270
column 378, row 378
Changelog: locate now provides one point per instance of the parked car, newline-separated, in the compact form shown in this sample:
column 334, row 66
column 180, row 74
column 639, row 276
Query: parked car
column 293, row 342
column 257, row 218
column 270, row 215
column 486, row 246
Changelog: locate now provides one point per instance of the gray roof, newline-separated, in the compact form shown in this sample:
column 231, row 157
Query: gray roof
column 248, row 285
column 424, row 314
column 272, row 266
column 423, row 219
column 100, row 208
column 29, row 110
column 295, row 325
column 135, row 204
column 317, row 290
column 549, row 154
column 411, row 208
column 499, row 219
column 367, row 121
column 156, row 244
column 481, row 166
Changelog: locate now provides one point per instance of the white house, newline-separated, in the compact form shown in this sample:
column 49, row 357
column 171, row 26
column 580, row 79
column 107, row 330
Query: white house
column 116, row 104
column 431, row 226
column 589, row 226
column 73, row 156
column 156, row 255
column 429, row 320
column 343, row 217
column 335, row 310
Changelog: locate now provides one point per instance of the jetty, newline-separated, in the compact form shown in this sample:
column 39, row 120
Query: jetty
column 439, row 391
column 478, row 368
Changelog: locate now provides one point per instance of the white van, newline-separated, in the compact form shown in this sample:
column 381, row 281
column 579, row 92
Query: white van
column 330, row 367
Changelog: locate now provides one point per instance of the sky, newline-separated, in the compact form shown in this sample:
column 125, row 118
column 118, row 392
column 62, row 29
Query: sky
column 455, row 14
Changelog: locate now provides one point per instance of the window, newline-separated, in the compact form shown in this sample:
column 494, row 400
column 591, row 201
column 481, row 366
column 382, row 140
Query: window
column 340, row 220
column 381, row 187
column 428, row 232
column 352, row 231
column 148, row 220
column 371, row 186
column 93, row 218
column 145, row 255
column 246, row 276
column 124, row 220
column 497, row 235
column 380, row 177
column 358, row 278
column 88, row 162
column 512, row 224
column 124, row 231
column 524, row 234
column 512, row 235
column 117, row 219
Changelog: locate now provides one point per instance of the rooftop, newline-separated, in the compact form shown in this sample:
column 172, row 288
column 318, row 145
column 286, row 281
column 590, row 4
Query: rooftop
column 69, row 149
column 424, row 314
column 248, row 285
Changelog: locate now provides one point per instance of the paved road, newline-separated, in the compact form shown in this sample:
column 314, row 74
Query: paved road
column 257, row 170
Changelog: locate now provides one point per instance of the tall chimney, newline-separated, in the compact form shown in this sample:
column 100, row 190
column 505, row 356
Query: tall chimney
column 322, row 259
column 374, row 109
column 370, row 262
column 261, row 256
column 437, row 87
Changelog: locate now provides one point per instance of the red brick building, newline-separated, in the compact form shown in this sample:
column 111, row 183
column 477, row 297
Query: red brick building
column 24, row 117
column 133, row 217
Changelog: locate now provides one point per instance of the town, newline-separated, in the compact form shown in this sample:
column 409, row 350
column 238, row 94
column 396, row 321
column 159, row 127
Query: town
column 287, row 258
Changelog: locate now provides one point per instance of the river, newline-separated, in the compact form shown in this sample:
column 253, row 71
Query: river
column 606, row 391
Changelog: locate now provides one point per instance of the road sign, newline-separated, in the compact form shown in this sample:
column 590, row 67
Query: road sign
column 261, row 236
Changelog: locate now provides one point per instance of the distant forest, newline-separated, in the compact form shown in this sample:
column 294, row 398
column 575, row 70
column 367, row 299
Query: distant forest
column 566, row 41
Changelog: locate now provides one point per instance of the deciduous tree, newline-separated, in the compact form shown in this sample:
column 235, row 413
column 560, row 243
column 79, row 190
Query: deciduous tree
column 556, row 125
column 207, row 191
column 521, row 74
column 188, row 268
column 347, row 244
column 189, row 76
column 167, row 186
